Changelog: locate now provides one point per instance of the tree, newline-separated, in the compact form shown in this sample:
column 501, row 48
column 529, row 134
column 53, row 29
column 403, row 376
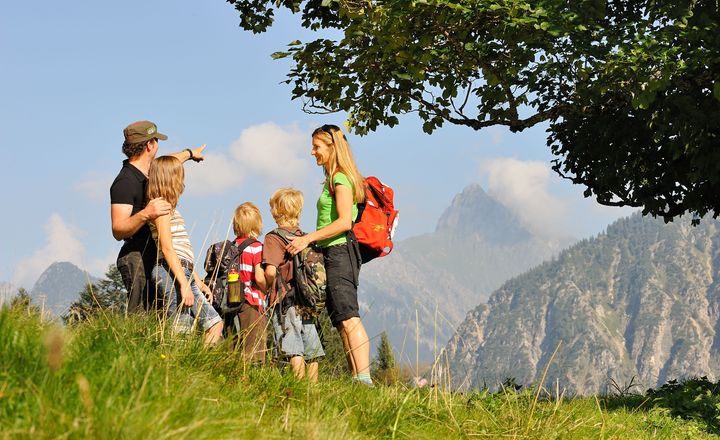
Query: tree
column 385, row 369
column 23, row 301
column 109, row 294
column 630, row 88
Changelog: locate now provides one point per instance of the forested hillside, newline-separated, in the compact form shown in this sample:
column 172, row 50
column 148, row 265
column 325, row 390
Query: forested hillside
column 641, row 301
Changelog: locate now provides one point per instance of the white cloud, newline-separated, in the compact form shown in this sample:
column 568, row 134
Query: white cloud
column 273, row 152
column 63, row 244
column 215, row 174
column 269, row 152
column 522, row 186
column 95, row 186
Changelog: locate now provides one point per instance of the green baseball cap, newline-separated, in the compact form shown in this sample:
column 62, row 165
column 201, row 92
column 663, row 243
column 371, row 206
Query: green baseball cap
column 142, row 131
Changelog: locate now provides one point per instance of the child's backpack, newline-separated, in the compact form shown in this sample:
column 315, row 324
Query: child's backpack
column 376, row 221
column 309, row 280
column 219, row 259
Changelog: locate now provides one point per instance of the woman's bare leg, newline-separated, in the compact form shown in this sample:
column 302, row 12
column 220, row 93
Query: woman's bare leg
column 357, row 345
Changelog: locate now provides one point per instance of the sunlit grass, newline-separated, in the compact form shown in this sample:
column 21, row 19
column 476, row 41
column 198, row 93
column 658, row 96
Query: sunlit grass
column 115, row 377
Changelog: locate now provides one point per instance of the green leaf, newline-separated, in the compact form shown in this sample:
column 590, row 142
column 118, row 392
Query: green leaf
column 644, row 99
column 491, row 79
column 278, row 55
column 716, row 90
column 428, row 127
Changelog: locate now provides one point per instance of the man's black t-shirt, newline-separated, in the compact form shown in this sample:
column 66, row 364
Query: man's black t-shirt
column 129, row 188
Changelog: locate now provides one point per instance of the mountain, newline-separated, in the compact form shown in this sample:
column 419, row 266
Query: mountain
column 425, row 287
column 59, row 286
column 639, row 302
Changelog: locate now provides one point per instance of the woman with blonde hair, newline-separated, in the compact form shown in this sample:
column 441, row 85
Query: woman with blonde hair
column 337, row 208
column 174, row 275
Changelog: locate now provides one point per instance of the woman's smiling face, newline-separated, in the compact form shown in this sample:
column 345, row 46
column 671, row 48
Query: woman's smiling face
column 321, row 150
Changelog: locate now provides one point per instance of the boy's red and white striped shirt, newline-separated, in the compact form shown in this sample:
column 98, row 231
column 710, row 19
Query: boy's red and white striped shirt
column 251, row 257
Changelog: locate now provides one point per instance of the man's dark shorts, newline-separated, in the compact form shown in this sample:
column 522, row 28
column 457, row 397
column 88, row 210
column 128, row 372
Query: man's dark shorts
column 342, row 272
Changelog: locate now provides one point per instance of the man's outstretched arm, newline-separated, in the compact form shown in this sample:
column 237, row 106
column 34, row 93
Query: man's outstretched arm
column 185, row 155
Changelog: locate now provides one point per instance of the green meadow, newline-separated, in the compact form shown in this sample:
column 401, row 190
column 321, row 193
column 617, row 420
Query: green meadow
column 126, row 378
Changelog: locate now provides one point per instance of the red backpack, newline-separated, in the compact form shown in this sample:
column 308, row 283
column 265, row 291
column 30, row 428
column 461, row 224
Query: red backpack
column 376, row 221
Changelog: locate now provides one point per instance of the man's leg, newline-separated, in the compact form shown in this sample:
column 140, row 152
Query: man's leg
column 132, row 270
column 151, row 298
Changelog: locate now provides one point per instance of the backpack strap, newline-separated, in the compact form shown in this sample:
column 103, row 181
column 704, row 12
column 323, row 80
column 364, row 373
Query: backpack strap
column 242, row 246
column 285, row 237
column 283, row 234
column 279, row 279
column 378, row 196
column 248, row 241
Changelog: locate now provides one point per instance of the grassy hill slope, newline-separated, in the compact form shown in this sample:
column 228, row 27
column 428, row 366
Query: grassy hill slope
column 126, row 378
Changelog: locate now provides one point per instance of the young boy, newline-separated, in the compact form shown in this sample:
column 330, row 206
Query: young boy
column 296, row 337
column 247, row 223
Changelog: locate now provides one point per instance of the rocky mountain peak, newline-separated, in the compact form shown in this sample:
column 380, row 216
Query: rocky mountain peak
column 475, row 213
column 59, row 285
column 432, row 280
column 639, row 301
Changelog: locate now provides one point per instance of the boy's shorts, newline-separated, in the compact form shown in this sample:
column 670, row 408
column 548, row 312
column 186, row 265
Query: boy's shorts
column 296, row 337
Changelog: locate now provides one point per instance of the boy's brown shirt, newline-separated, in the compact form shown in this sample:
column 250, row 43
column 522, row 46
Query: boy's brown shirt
column 274, row 254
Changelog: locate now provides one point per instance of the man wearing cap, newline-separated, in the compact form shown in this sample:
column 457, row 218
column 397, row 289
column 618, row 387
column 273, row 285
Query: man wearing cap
column 130, row 211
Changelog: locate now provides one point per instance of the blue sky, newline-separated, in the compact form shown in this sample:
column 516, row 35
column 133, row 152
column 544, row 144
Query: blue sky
column 76, row 73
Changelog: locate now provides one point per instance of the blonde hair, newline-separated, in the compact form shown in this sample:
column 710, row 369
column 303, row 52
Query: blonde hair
column 166, row 179
column 341, row 159
column 286, row 204
column 247, row 221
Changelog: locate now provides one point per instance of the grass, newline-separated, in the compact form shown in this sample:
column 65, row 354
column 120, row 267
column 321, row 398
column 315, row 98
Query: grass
column 118, row 378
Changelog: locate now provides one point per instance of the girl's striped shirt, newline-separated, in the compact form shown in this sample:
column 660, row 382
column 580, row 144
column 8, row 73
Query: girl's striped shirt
column 180, row 238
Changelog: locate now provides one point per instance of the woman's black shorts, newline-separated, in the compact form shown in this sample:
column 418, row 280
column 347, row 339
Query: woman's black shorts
column 342, row 269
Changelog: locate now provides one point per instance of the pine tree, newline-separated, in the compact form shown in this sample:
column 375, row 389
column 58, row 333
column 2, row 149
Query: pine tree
column 385, row 369
column 23, row 301
column 108, row 294
column 113, row 289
